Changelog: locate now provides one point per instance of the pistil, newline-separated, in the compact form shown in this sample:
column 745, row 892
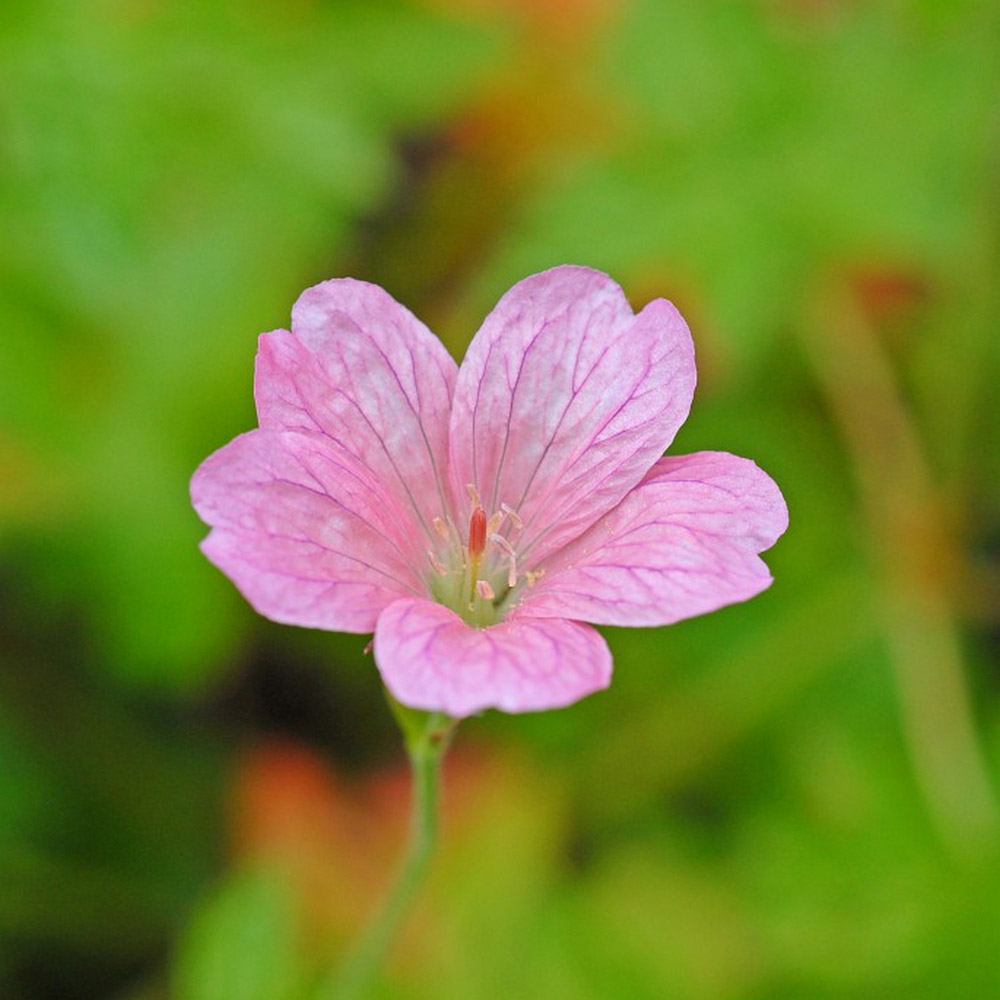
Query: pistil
column 477, row 534
column 477, row 546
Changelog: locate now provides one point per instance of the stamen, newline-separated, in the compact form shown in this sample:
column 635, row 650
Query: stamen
column 494, row 523
column 437, row 564
column 477, row 533
column 474, row 494
column 441, row 528
column 501, row 543
column 533, row 576
column 512, row 514
column 484, row 590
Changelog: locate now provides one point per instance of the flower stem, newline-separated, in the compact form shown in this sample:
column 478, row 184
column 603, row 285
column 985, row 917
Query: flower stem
column 427, row 737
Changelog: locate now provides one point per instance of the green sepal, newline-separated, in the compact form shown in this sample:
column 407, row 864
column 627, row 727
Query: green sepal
column 422, row 731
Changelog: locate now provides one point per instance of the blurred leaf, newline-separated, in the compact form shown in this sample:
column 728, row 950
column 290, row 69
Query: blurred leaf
column 242, row 943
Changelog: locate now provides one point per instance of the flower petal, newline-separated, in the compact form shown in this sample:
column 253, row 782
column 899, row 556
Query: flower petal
column 430, row 659
column 565, row 399
column 362, row 369
column 304, row 531
column 685, row 541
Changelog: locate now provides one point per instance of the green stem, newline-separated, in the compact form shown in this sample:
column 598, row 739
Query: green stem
column 427, row 738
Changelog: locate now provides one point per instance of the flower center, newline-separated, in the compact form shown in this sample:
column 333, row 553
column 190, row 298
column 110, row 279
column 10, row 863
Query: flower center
column 477, row 579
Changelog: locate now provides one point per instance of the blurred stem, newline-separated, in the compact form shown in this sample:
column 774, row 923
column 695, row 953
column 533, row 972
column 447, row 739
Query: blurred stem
column 917, row 559
column 427, row 736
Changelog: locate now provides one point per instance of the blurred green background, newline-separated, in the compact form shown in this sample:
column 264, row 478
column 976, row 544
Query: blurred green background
column 792, row 799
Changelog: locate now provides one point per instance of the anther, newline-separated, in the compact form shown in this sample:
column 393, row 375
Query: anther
column 484, row 590
column 441, row 528
column 473, row 494
column 437, row 564
column 533, row 576
column 501, row 543
column 512, row 514
column 477, row 532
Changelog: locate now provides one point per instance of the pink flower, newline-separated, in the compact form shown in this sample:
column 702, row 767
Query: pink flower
column 475, row 517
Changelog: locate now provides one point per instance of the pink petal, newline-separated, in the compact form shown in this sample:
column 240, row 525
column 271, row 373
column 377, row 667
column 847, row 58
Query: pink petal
column 363, row 370
column 304, row 531
column 684, row 542
column 565, row 399
column 430, row 659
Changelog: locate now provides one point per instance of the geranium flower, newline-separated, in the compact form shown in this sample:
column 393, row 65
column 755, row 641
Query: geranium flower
column 475, row 517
